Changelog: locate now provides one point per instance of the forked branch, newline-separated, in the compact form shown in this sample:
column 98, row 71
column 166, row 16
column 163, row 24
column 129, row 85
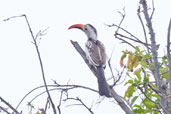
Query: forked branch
column 118, row 98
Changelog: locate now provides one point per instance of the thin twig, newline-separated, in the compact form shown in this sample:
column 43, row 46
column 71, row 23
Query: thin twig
column 110, row 67
column 124, row 41
column 124, row 31
column 123, row 16
column 152, row 10
column 10, row 106
column 155, row 90
column 39, row 57
column 31, row 92
column 47, row 105
column 134, row 38
column 55, row 87
column 82, row 103
column 138, row 41
column 41, row 65
column 143, row 27
column 59, row 105
column 146, row 95
column 3, row 109
column 119, row 77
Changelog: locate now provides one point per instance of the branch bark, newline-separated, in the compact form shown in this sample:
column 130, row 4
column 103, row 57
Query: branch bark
column 39, row 57
column 10, row 106
column 154, row 48
column 118, row 98
column 168, row 53
column 41, row 65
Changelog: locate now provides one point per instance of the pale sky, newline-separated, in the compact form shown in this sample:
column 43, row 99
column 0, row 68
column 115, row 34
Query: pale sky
column 19, row 65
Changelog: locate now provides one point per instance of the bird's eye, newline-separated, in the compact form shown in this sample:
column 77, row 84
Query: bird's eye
column 85, row 28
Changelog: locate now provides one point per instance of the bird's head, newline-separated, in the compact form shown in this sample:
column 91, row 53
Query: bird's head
column 88, row 29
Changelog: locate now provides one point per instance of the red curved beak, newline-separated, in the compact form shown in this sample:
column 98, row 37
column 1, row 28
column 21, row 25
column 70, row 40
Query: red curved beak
column 79, row 26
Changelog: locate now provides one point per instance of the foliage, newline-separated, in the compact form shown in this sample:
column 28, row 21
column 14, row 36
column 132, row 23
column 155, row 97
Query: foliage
column 142, row 97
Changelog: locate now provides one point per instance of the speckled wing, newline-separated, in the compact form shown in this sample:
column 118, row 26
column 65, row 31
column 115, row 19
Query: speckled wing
column 96, row 53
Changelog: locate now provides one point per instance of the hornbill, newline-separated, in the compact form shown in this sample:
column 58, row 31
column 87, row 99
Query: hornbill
column 95, row 53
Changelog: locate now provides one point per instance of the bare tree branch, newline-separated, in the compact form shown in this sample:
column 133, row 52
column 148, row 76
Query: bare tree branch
column 168, row 53
column 118, row 98
column 82, row 103
column 153, row 42
column 132, row 37
column 54, row 88
column 153, row 9
column 146, row 95
column 138, row 41
column 143, row 27
column 83, row 55
column 155, row 54
column 123, row 17
column 124, row 41
column 126, row 31
column 3, row 109
column 10, row 106
column 59, row 105
column 39, row 57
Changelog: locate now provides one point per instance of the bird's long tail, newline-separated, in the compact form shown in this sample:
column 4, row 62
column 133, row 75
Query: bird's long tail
column 102, row 84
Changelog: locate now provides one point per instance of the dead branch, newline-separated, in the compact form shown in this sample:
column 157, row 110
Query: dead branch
column 81, row 103
column 56, row 87
column 153, row 42
column 154, row 49
column 4, row 110
column 124, row 30
column 143, row 27
column 118, row 98
column 123, row 17
column 146, row 95
column 153, row 9
column 110, row 67
column 39, row 57
column 10, row 106
column 168, row 52
column 131, row 38
column 59, row 105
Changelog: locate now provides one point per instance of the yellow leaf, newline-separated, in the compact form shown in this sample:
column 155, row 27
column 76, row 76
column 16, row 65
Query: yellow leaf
column 122, row 58
column 121, row 63
column 130, row 62
column 148, row 74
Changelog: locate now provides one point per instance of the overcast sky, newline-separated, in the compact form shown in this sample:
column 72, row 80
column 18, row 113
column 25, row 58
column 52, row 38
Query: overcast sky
column 19, row 65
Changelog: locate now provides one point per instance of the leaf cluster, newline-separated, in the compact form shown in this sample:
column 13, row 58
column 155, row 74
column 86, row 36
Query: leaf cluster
column 140, row 84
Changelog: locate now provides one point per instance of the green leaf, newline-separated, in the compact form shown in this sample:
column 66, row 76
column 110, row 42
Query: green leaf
column 129, row 92
column 164, row 72
column 124, row 55
column 133, row 100
column 138, row 75
column 164, row 60
column 156, row 96
column 129, row 82
column 155, row 113
column 148, row 56
column 137, row 106
column 149, row 104
column 147, row 111
column 137, row 49
column 136, row 82
column 138, row 109
column 146, row 79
